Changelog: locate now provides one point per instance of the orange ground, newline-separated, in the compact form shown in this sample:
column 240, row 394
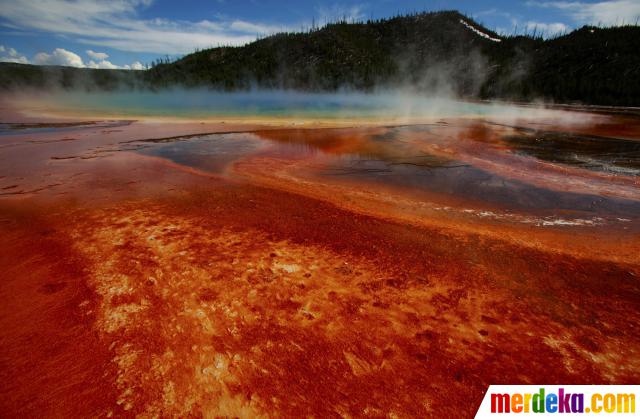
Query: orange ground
column 137, row 286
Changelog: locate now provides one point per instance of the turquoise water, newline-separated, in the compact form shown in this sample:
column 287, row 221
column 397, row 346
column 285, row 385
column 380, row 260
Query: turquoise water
column 199, row 103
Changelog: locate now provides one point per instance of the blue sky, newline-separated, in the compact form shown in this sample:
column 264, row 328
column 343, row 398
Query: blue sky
column 131, row 33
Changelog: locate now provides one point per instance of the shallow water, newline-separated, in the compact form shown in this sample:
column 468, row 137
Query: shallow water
column 290, row 105
column 614, row 155
column 62, row 127
column 394, row 157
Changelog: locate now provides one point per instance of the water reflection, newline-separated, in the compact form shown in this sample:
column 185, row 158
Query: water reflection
column 395, row 158
column 604, row 154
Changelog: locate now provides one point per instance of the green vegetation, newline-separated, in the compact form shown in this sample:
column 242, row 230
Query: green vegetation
column 426, row 52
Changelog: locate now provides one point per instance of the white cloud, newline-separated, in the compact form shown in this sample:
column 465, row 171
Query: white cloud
column 59, row 56
column 613, row 12
column 115, row 24
column 105, row 64
column 97, row 55
column 209, row 26
column 134, row 66
column 257, row 28
column 546, row 29
column 11, row 51
column 20, row 59
column 137, row 66
column 10, row 55
column 102, row 64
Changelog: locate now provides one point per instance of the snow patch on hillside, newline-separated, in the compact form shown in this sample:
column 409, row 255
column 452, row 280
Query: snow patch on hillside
column 482, row 34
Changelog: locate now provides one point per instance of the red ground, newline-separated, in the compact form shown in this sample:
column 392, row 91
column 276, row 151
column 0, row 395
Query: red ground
column 136, row 286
